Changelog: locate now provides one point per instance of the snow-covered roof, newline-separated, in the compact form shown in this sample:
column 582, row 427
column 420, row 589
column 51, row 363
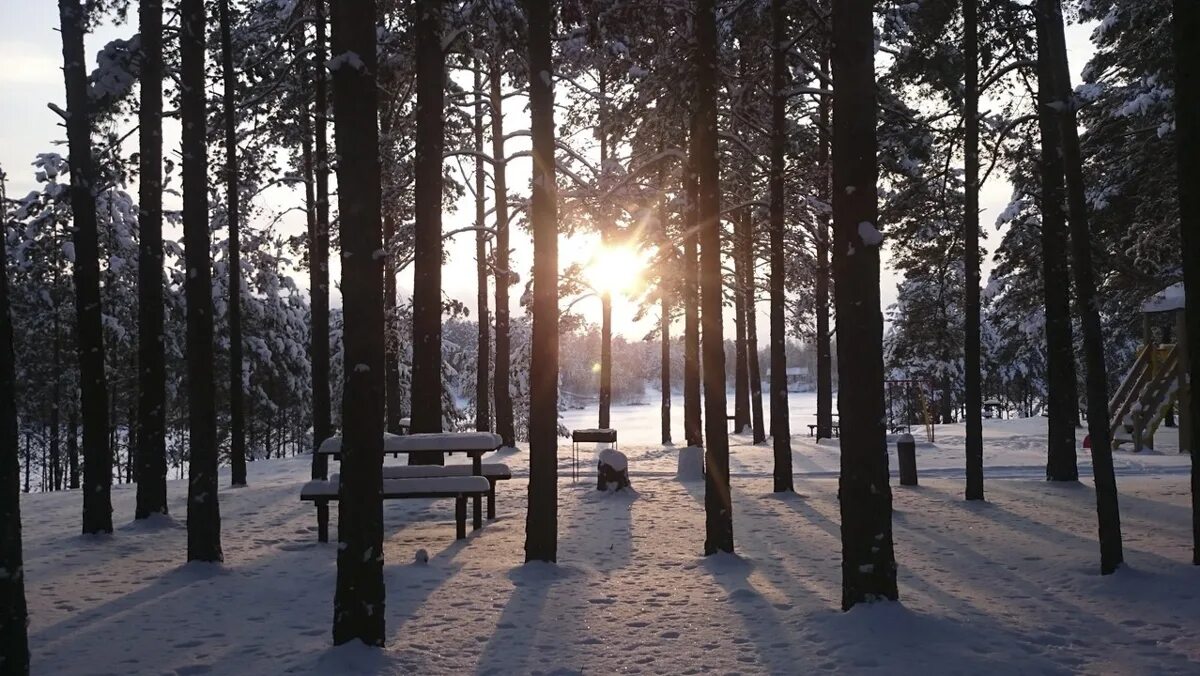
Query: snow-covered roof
column 1169, row 299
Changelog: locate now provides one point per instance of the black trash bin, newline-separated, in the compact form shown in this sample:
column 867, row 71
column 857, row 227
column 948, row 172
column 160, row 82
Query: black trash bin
column 906, row 450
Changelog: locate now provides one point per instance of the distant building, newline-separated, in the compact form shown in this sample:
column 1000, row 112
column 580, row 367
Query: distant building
column 798, row 379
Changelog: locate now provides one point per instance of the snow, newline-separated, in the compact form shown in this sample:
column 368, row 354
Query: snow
column 1010, row 585
column 1169, row 299
column 869, row 235
column 614, row 459
column 690, row 466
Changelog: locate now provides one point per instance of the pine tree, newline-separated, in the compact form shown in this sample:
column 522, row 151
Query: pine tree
column 14, row 641
column 204, row 515
column 781, row 433
column 152, row 370
column 718, row 503
column 868, row 560
column 1186, row 20
column 974, row 397
column 541, row 520
column 97, row 467
column 237, row 431
column 359, row 602
column 427, row 255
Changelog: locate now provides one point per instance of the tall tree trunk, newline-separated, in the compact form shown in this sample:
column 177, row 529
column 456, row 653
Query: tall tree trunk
column 56, row 397
column 358, row 604
column 692, row 426
column 781, row 432
column 1061, row 462
column 427, row 263
column 93, row 385
column 1187, row 129
column 500, row 383
column 664, row 323
column 391, row 199
column 152, row 368
column 1107, row 509
column 483, row 418
column 868, row 559
column 204, row 515
column 974, row 398
column 824, row 339
column 752, row 366
column 14, row 639
column 237, row 424
column 718, row 505
column 541, row 520
column 73, row 450
column 318, row 257
column 741, row 367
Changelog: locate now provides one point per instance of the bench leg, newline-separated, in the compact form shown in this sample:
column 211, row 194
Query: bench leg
column 322, row 521
column 477, row 514
column 491, row 502
column 460, row 516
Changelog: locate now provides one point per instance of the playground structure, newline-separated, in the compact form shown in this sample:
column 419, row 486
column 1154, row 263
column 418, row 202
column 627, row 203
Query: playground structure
column 906, row 400
column 1157, row 383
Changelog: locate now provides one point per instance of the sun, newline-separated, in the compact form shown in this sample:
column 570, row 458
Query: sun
column 615, row 270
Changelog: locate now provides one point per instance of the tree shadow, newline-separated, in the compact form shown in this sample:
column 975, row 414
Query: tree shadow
column 513, row 641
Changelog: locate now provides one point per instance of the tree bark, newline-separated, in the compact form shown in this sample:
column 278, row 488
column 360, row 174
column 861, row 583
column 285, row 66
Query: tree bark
column 692, row 425
column 152, row 369
column 73, row 450
column 427, row 261
column 1107, row 509
column 500, row 383
column 741, row 369
column 664, row 322
column 390, row 200
column 754, row 372
column 781, row 433
column 718, row 503
column 93, row 385
column 14, row 638
column 1187, row 129
column 1061, row 462
column 605, row 295
column 974, row 398
column 483, row 418
column 359, row 601
column 318, row 256
column 237, row 423
column 204, row 515
column 868, row 559
column 541, row 520
column 824, row 339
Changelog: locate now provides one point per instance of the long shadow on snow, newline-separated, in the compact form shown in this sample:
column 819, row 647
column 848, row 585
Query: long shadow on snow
column 509, row 648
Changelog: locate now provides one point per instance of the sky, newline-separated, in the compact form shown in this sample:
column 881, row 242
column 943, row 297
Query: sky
column 30, row 77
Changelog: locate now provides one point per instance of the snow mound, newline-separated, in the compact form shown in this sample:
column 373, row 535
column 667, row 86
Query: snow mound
column 691, row 464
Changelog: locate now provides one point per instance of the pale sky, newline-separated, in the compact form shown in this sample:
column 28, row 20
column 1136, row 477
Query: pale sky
column 30, row 77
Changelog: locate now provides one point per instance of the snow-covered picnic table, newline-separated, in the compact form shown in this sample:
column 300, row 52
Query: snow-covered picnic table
column 472, row 444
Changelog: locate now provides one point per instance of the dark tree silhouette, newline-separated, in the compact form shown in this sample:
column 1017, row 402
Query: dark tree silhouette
column 664, row 325
column 868, row 560
column 483, row 422
column 718, row 505
column 93, row 386
column 692, row 426
column 541, row 519
column 821, row 285
column 1061, row 461
column 204, row 514
column 318, row 255
column 237, row 423
column 14, row 638
column 973, row 396
column 358, row 604
column 781, row 432
column 500, row 383
column 152, row 370
column 427, row 255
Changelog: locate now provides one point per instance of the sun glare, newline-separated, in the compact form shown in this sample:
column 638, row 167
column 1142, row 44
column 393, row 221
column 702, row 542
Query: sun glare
column 615, row 269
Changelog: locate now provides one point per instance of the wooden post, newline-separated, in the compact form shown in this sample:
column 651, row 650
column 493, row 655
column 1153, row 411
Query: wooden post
column 322, row 521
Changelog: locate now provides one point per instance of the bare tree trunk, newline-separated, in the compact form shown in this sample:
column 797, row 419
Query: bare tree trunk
column 152, row 369
column 500, row 384
column 1187, row 126
column 1061, row 462
column 664, row 322
column 541, row 520
column 97, row 469
column 318, row 257
column 741, row 368
column 868, row 559
column 427, row 262
column 824, row 340
column 1107, row 509
column 14, row 639
column 718, row 505
column 752, row 366
column 605, row 295
column 781, row 432
column 483, row 419
column 391, row 201
column 237, row 424
column 73, row 451
column 204, row 515
column 359, row 602
column 974, row 398
column 692, row 426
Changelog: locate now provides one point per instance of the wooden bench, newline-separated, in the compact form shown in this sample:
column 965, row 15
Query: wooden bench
column 492, row 471
column 812, row 430
column 321, row 492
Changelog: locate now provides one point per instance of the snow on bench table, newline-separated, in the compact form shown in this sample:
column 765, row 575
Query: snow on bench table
column 433, row 441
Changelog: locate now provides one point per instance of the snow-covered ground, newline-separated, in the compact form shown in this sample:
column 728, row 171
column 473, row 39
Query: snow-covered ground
column 1008, row 586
